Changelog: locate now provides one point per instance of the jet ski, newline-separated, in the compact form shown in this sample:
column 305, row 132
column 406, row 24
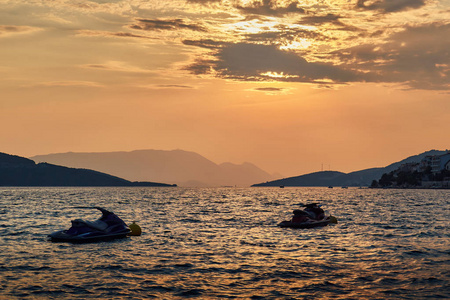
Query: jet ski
column 108, row 227
column 312, row 216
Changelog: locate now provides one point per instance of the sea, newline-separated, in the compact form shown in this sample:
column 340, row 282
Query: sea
column 224, row 243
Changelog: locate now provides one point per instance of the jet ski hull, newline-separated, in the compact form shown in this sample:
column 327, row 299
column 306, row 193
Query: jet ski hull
column 63, row 237
column 308, row 224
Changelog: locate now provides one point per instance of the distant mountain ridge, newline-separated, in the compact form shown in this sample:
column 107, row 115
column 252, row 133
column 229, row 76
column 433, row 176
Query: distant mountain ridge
column 334, row 178
column 20, row 171
column 178, row 166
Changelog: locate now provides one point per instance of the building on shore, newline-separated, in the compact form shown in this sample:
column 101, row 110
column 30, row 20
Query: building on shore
column 437, row 163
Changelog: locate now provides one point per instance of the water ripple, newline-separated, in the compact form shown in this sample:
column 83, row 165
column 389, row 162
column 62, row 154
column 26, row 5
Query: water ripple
column 224, row 243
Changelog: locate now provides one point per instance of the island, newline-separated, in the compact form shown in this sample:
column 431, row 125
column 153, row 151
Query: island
column 21, row 171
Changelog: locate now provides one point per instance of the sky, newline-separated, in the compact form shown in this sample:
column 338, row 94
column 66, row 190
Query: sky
column 291, row 86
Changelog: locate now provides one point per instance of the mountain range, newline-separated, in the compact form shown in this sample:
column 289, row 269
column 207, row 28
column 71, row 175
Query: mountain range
column 20, row 171
column 186, row 168
column 181, row 167
column 334, row 178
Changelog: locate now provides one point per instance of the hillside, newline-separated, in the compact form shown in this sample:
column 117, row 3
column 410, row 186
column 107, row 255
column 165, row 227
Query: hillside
column 181, row 167
column 357, row 178
column 20, row 171
column 325, row 178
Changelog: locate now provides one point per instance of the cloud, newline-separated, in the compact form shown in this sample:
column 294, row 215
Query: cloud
column 284, row 35
column 417, row 57
column 333, row 19
column 166, row 86
column 127, row 34
column 271, row 8
column 169, row 24
column 111, row 34
column 203, row 1
column 255, row 62
column 117, row 66
column 174, row 86
column 9, row 30
column 389, row 6
column 269, row 89
column 206, row 43
column 317, row 20
column 281, row 35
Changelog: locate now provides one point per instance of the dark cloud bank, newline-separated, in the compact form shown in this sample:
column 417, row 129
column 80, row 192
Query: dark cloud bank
column 389, row 6
column 271, row 7
column 418, row 57
column 244, row 61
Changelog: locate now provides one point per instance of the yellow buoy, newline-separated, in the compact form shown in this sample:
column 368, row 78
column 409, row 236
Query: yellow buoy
column 333, row 220
column 135, row 229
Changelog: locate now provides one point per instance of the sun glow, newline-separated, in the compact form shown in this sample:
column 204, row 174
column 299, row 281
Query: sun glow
column 253, row 26
column 295, row 45
column 278, row 75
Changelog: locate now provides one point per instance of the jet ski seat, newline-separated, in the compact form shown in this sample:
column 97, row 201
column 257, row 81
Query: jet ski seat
column 98, row 225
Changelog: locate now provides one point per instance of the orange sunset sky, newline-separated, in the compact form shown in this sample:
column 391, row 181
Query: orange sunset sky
column 287, row 85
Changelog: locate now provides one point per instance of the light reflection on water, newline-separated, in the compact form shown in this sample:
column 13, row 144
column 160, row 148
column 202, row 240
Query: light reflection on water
column 224, row 243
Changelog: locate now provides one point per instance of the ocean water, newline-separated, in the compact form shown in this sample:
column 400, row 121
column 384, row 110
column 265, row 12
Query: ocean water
column 224, row 243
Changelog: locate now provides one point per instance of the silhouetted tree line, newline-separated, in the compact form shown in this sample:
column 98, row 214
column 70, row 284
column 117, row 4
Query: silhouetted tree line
column 408, row 179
